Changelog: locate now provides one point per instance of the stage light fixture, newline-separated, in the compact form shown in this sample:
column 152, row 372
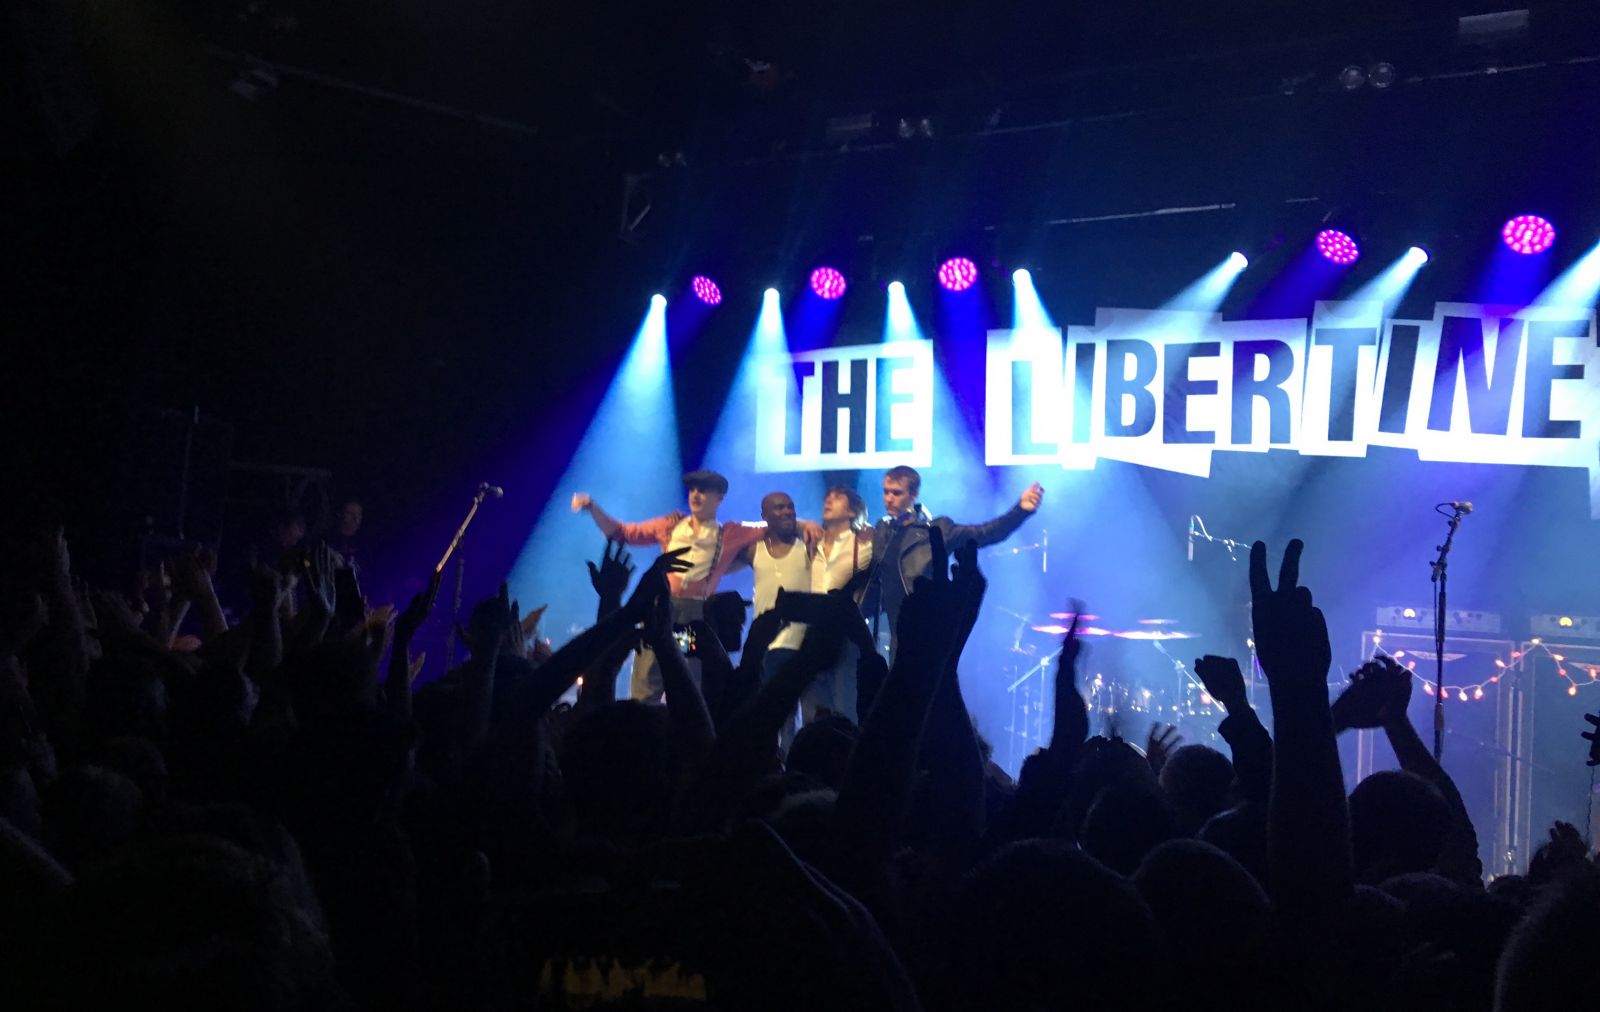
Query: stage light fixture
column 1417, row 255
column 1238, row 260
column 658, row 300
column 770, row 294
column 705, row 290
column 1337, row 247
column 1020, row 276
column 828, row 283
column 1352, row 77
column 897, row 288
column 957, row 274
column 1528, row 234
column 1381, row 75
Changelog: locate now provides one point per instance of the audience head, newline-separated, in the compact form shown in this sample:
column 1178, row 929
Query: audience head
column 1197, row 781
column 1397, row 824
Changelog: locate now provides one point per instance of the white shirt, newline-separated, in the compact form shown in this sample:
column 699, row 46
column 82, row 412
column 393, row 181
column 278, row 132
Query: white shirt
column 833, row 567
column 702, row 547
column 791, row 572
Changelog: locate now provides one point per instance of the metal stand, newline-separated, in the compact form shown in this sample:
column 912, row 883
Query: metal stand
column 1439, row 573
column 1028, row 713
column 461, row 572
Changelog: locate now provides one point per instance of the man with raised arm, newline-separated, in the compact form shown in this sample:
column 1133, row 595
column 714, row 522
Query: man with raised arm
column 900, row 551
column 713, row 549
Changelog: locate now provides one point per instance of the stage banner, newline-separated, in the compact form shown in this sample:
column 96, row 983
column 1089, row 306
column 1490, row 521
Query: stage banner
column 862, row 406
column 1166, row 389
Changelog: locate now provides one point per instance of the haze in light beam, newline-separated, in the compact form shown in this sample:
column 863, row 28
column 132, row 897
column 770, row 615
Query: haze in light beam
column 1578, row 285
column 628, row 460
column 732, row 448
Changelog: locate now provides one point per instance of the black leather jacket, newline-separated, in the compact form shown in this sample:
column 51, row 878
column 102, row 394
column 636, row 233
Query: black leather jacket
column 914, row 554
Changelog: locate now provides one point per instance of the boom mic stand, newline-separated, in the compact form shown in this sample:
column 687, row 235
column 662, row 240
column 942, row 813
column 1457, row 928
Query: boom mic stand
column 484, row 491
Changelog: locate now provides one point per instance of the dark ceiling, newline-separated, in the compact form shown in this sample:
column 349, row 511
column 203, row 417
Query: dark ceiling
column 376, row 237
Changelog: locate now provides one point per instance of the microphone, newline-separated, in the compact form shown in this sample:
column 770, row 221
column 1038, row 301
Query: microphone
column 1460, row 507
column 488, row 489
column 1191, row 537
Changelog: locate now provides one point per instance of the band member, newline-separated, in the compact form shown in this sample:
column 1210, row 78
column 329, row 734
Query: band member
column 900, row 548
column 843, row 554
column 713, row 550
column 780, row 560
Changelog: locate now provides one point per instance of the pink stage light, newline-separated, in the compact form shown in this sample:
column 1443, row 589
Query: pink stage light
column 828, row 283
column 958, row 274
column 1337, row 247
column 1528, row 234
column 705, row 290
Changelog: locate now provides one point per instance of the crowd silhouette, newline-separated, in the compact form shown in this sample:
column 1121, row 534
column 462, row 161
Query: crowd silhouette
column 269, row 814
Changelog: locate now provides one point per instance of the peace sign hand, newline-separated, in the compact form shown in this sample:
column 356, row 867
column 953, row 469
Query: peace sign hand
column 1290, row 632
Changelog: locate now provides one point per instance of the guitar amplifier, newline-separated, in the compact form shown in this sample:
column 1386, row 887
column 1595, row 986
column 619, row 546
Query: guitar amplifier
column 1455, row 620
column 1570, row 627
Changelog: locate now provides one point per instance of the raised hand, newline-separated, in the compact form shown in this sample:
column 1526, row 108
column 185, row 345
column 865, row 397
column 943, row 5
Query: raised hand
column 581, row 501
column 1377, row 694
column 1223, row 680
column 321, row 592
column 969, row 585
column 928, row 617
column 1594, row 739
column 1291, row 634
column 654, row 582
column 1159, row 745
column 1072, row 646
column 190, row 580
column 114, row 614
column 658, row 621
column 269, row 587
column 610, row 578
column 1032, row 497
column 410, row 620
column 491, row 623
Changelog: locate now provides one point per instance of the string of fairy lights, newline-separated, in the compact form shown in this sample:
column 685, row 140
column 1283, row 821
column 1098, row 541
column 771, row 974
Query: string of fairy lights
column 1571, row 672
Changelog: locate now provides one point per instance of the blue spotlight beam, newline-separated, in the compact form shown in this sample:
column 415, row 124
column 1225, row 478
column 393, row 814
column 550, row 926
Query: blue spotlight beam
column 1578, row 286
column 628, row 460
column 1392, row 283
column 1206, row 293
column 732, row 447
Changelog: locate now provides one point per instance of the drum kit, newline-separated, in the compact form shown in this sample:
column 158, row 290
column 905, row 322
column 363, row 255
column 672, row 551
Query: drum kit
column 1133, row 675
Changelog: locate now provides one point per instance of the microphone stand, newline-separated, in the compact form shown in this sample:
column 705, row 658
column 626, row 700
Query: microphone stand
column 461, row 573
column 1197, row 529
column 1439, row 575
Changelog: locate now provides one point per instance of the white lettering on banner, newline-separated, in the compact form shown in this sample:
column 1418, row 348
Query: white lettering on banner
column 862, row 406
column 1166, row 389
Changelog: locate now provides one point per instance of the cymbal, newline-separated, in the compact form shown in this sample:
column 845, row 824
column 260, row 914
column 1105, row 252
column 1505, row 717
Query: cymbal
column 1158, row 621
column 1061, row 630
column 1154, row 634
column 1066, row 616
